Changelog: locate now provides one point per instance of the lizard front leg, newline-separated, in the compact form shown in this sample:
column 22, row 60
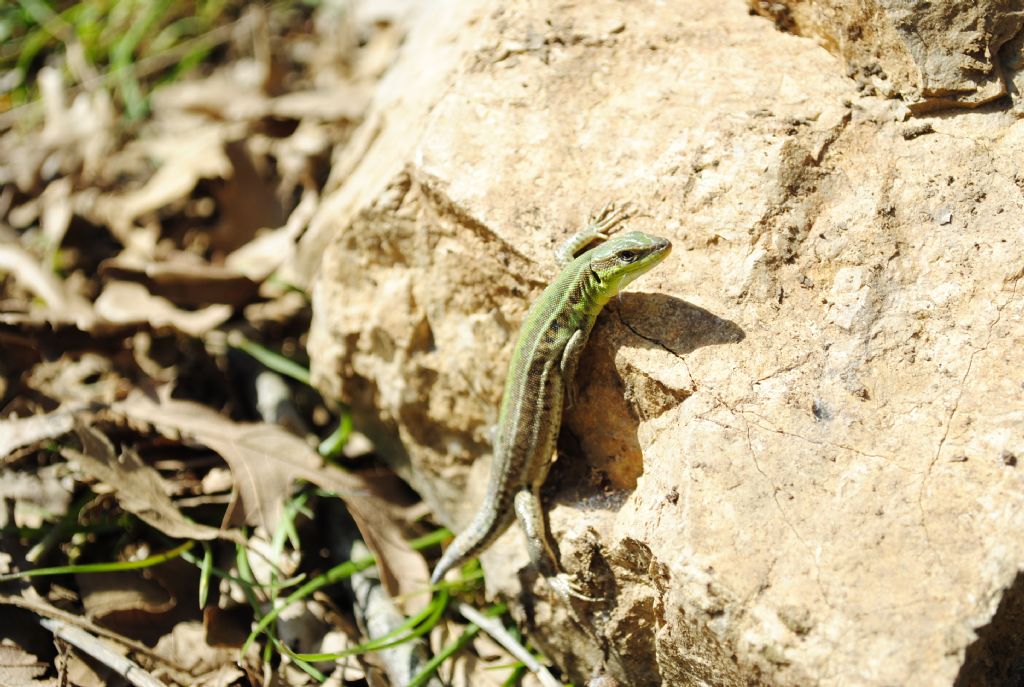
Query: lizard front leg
column 570, row 361
column 600, row 225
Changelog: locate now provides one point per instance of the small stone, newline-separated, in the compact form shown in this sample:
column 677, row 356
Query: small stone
column 914, row 129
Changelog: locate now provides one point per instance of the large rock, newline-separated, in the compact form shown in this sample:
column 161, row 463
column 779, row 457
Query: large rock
column 794, row 458
column 932, row 54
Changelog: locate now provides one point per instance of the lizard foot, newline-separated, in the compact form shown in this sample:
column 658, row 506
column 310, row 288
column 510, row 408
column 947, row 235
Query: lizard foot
column 606, row 218
column 566, row 589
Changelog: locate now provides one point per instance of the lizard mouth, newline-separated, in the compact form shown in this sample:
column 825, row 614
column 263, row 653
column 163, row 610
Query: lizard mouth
column 655, row 254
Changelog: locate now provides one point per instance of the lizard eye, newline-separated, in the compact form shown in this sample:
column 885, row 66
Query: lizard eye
column 628, row 256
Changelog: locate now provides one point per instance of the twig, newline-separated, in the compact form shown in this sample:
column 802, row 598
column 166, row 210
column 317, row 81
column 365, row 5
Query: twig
column 497, row 631
column 377, row 614
column 85, row 642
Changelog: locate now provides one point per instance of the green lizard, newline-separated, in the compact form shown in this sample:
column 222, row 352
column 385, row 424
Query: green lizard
column 540, row 378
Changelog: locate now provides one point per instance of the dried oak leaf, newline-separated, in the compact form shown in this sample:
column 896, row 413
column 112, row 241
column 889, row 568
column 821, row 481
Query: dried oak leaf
column 139, row 488
column 265, row 460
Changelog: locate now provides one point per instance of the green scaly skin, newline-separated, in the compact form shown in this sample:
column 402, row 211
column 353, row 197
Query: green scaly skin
column 539, row 383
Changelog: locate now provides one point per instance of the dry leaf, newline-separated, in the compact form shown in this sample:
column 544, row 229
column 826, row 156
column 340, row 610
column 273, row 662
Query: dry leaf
column 266, row 460
column 185, row 281
column 82, row 133
column 340, row 103
column 56, row 214
column 139, row 488
column 128, row 303
column 30, row 274
column 37, row 496
column 105, row 593
column 186, row 646
column 232, row 93
column 19, row 432
column 247, row 199
column 18, row 667
column 383, row 536
column 80, row 379
column 259, row 258
column 184, row 161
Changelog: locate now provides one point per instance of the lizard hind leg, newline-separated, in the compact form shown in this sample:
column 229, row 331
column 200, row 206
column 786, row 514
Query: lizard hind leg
column 531, row 519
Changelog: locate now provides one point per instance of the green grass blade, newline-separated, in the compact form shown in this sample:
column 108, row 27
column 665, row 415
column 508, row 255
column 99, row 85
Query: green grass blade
column 273, row 361
column 102, row 567
column 205, row 570
column 414, row 627
column 336, row 574
column 122, row 55
column 435, row 661
column 332, row 445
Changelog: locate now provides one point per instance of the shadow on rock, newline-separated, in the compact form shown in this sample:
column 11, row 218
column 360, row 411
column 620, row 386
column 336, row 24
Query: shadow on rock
column 672, row 323
column 996, row 657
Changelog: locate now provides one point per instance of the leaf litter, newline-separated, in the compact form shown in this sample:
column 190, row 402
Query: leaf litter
column 131, row 250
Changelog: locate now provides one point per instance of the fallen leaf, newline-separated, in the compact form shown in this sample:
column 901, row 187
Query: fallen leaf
column 19, row 432
column 56, row 214
column 259, row 258
column 185, row 160
column 19, row 668
column 248, row 199
column 384, row 537
column 266, row 460
column 128, row 303
column 232, row 93
column 80, row 379
column 37, row 496
column 186, row 646
column 139, row 488
column 30, row 274
column 185, row 282
column 263, row 458
column 82, row 133
column 340, row 103
column 106, row 593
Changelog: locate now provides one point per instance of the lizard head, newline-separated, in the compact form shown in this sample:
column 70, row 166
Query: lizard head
column 625, row 257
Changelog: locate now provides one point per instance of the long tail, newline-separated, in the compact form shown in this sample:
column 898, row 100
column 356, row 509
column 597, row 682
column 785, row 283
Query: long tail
column 487, row 525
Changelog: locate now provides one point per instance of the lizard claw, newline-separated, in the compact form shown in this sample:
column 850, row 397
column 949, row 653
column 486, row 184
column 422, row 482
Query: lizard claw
column 566, row 589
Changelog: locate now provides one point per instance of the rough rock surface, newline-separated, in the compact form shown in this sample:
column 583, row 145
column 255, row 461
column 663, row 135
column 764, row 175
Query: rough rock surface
column 932, row 54
column 796, row 454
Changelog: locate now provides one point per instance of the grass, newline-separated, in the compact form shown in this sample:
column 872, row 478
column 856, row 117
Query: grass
column 263, row 595
column 129, row 45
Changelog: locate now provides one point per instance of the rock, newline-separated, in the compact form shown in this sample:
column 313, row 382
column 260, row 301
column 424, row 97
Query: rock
column 787, row 463
column 932, row 54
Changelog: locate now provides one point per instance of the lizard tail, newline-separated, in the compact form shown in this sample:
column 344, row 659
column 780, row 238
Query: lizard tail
column 485, row 528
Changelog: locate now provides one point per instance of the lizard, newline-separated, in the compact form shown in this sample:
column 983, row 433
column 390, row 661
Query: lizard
column 539, row 385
